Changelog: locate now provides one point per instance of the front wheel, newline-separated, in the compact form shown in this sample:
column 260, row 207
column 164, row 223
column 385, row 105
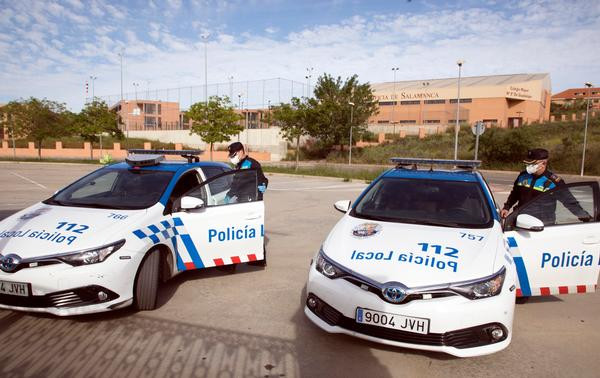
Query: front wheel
column 146, row 282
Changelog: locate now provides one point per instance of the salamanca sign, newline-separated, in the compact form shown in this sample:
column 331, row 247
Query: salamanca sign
column 408, row 96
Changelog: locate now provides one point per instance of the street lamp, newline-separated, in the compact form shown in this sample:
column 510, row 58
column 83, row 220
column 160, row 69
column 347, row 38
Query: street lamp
column 135, row 87
column 230, row 88
column 308, row 76
column 93, row 79
column 351, row 115
column 205, row 40
column 457, row 127
column 394, row 69
column 121, row 110
column 587, row 111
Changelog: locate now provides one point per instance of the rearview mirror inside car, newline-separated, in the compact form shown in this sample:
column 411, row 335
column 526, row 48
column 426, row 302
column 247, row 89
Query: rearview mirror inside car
column 343, row 206
column 529, row 222
column 190, row 203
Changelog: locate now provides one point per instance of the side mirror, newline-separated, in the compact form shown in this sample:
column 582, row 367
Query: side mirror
column 190, row 203
column 342, row 206
column 529, row 222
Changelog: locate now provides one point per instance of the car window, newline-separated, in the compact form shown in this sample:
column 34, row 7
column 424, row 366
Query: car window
column 228, row 188
column 212, row 171
column 186, row 182
column 434, row 202
column 564, row 205
column 115, row 189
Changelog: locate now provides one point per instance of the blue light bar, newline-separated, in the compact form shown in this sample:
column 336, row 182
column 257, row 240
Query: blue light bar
column 144, row 160
column 190, row 155
column 469, row 164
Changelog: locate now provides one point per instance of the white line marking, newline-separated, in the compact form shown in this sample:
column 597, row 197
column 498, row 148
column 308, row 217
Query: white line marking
column 29, row 180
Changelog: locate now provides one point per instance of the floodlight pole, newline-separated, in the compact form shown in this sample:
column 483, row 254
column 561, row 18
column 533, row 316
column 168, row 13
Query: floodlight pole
column 587, row 111
column 394, row 69
column 457, row 127
column 350, row 149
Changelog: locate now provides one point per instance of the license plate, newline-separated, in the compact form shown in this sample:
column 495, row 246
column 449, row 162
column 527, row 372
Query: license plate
column 393, row 321
column 14, row 288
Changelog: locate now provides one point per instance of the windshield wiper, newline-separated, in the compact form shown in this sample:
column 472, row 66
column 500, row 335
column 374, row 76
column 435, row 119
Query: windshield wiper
column 52, row 201
column 436, row 223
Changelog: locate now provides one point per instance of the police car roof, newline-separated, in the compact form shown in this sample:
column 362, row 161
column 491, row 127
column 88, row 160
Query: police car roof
column 435, row 174
column 172, row 165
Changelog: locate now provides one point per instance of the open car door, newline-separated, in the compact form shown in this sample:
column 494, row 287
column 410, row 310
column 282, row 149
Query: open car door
column 555, row 241
column 225, row 221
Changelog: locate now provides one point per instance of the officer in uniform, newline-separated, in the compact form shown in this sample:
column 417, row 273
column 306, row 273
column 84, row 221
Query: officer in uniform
column 537, row 179
column 239, row 187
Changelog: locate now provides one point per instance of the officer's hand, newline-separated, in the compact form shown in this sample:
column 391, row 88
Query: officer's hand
column 586, row 218
column 262, row 188
column 504, row 213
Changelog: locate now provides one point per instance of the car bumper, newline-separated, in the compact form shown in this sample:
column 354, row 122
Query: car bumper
column 457, row 325
column 64, row 290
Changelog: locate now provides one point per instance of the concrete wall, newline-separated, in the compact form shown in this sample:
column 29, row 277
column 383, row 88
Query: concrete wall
column 407, row 129
column 260, row 140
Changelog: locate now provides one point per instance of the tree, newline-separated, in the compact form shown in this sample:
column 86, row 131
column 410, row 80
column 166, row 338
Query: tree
column 216, row 122
column 38, row 120
column 95, row 119
column 294, row 120
column 331, row 109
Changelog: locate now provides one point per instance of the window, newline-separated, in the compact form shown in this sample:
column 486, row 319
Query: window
column 159, row 108
column 383, row 121
column 432, row 121
column 411, row 102
column 228, row 188
column 490, row 121
column 212, row 171
column 462, row 100
column 149, row 121
column 385, row 103
column 459, row 121
column 435, row 101
column 150, row 108
column 186, row 182
column 408, row 121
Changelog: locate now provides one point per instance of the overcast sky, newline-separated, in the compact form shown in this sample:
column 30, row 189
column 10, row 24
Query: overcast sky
column 50, row 48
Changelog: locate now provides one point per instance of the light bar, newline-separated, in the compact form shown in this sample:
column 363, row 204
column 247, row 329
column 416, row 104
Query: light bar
column 472, row 164
column 144, row 160
column 190, row 155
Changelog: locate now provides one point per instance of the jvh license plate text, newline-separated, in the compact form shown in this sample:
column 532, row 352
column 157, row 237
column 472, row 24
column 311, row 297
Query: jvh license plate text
column 394, row 321
column 14, row 288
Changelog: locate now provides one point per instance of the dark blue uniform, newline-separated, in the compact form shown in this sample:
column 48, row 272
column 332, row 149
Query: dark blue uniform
column 528, row 186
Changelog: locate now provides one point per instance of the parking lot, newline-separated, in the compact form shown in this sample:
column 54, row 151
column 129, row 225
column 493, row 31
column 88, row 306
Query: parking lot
column 251, row 322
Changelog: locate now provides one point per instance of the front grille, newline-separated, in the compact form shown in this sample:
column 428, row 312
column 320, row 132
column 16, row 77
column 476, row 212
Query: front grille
column 462, row 338
column 409, row 298
column 82, row 296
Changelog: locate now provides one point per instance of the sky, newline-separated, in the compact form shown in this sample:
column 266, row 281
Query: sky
column 51, row 48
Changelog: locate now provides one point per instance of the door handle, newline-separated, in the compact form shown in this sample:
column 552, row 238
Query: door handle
column 591, row 240
column 253, row 216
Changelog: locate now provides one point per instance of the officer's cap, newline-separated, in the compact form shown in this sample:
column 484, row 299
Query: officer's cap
column 234, row 148
column 535, row 155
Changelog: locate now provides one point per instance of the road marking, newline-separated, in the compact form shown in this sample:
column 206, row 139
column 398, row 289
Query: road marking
column 29, row 180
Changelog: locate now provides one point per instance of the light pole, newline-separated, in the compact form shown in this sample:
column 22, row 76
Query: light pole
column 457, row 127
column 394, row 69
column 230, row 88
column 587, row 111
column 93, row 79
column 121, row 112
column 269, row 114
column 350, row 149
column 135, row 87
column 205, row 39
column 308, row 76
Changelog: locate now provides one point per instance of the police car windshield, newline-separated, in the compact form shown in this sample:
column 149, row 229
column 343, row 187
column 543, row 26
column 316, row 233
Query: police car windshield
column 429, row 202
column 110, row 188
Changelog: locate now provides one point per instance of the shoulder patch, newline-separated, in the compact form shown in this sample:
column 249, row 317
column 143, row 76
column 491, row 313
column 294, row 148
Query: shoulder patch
column 247, row 164
column 555, row 178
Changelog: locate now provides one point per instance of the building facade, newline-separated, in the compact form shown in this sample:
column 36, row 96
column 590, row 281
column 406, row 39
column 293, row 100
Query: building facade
column 570, row 96
column 500, row 100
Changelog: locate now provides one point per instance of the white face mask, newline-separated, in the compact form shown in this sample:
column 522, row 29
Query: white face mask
column 234, row 160
column 532, row 168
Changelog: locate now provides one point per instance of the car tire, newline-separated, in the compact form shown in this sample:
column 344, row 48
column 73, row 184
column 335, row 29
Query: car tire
column 262, row 262
column 146, row 283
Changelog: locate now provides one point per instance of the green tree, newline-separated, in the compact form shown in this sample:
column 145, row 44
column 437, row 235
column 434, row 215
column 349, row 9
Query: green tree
column 332, row 110
column 38, row 120
column 294, row 119
column 216, row 122
column 94, row 120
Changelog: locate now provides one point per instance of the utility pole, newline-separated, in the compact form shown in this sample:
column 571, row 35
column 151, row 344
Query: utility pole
column 308, row 76
column 457, row 127
column 351, row 116
column 394, row 69
column 587, row 111
column 205, row 39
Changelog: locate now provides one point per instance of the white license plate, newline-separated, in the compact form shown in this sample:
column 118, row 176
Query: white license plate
column 393, row 321
column 14, row 288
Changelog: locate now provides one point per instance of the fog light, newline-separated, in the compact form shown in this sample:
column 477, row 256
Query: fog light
column 312, row 302
column 497, row 333
column 102, row 296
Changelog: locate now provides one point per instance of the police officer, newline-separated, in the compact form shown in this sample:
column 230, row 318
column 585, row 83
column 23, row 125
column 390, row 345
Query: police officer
column 533, row 181
column 240, row 159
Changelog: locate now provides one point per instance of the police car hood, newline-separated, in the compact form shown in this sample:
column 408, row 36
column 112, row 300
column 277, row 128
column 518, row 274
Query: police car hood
column 43, row 229
column 415, row 255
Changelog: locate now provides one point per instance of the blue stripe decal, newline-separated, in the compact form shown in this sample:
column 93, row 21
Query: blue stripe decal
column 178, row 221
column 154, row 238
column 154, row 229
column 166, row 224
column 511, row 242
column 180, row 264
column 522, row 274
column 191, row 248
column 139, row 233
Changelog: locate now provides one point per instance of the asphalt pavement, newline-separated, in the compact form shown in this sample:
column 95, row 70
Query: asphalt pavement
column 251, row 322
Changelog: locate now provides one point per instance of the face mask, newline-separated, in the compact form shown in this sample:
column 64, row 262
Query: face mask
column 532, row 168
column 234, row 160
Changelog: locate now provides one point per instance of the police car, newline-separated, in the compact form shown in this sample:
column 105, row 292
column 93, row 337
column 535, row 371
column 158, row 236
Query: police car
column 422, row 260
column 107, row 240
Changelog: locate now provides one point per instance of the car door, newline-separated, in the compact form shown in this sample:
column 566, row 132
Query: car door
column 228, row 228
column 562, row 256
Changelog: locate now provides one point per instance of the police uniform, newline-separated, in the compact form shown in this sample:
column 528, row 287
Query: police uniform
column 527, row 186
column 239, row 186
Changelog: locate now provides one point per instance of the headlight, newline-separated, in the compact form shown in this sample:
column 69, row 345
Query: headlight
column 326, row 267
column 487, row 287
column 91, row 256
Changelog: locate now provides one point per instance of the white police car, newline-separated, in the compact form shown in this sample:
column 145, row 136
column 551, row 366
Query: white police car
column 421, row 259
column 107, row 240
